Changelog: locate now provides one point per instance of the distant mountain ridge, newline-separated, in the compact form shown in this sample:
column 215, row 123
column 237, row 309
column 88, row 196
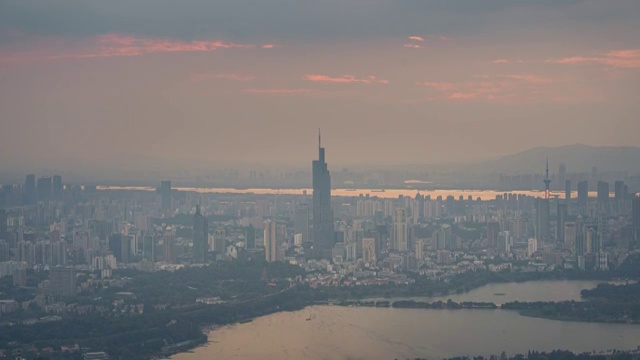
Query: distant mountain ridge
column 578, row 158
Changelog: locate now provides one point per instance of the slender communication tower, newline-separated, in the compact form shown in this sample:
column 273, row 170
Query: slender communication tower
column 547, row 182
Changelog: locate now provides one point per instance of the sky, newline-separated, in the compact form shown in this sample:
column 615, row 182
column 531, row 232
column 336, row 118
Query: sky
column 217, row 83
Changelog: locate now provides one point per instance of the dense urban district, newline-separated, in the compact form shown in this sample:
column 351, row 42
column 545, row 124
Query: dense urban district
column 88, row 273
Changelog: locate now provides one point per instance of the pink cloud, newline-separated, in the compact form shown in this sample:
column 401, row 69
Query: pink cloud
column 440, row 86
column 500, row 61
column 533, row 79
column 416, row 38
column 280, row 91
column 512, row 88
column 115, row 45
column 119, row 45
column 345, row 79
column 463, row 96
column 627, row 58
column 233, row 77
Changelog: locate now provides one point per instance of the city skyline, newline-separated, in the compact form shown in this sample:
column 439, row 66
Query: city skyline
column 432, row 82
column 125, row 251
column 164, row 193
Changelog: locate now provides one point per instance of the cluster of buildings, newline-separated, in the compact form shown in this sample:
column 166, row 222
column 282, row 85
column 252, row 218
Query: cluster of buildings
column 353, row 240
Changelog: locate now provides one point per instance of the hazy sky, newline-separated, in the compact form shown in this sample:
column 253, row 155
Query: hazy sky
column 250, row 81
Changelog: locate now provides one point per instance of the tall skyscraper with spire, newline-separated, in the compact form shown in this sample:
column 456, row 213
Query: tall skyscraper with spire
column 200, row 238
column 323, row 234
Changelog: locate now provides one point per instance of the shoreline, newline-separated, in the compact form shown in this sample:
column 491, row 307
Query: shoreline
column 573, row 319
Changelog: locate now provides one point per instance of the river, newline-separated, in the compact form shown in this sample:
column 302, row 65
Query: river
column 335, row 332
column 383, row 194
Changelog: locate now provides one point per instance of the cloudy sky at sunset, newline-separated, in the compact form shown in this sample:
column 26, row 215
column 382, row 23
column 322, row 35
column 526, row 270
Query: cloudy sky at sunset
column 250, row 81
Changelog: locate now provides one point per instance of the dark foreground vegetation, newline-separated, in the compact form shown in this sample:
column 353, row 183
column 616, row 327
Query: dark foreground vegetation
column 588, row 311
column 173, row 320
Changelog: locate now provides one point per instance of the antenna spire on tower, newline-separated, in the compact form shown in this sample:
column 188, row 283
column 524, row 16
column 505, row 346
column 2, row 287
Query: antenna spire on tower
column 547, row 182
column 319, row 139
column 547, row 168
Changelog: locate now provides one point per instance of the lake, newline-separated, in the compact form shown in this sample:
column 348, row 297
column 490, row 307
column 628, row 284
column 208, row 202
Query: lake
column 335, row 332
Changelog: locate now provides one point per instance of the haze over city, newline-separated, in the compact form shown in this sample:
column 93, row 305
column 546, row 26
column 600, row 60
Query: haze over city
column 320, row 179
column 200, row 84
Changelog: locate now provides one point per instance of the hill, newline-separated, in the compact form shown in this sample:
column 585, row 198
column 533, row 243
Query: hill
column 577, row 158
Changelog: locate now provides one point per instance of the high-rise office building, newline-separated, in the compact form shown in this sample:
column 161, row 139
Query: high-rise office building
column 580, row 234
column 200, row 237
column 493, row 228
column 149, row 247
column 504, row 242
column 57, row 190
column 401, row 230
column 120, row 246
column 219, row 241
column 591, row 241
column 562, row 175
column 165, row 194
column 441, row 237
column 250, row 237
column 570, row 235
column 168, row 240
column 420, row 207
column 567, row 190
column 620, row 191
column 271, row 241
column 301, row 222
column 542, row 220
column 323, row 233
column 583, row 193
column 603, row 195
column 30, row 195
column 44, row 188
column 561, row 219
